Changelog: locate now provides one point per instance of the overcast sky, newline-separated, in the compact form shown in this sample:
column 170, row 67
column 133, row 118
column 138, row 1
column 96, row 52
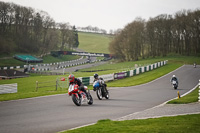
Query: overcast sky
column 106, row 14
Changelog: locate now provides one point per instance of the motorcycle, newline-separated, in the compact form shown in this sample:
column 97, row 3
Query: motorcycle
column 194, row 65
column 101, row 91
column 79, row 97
column 174, row 84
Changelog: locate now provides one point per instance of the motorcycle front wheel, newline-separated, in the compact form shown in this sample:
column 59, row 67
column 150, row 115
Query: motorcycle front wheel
column 76, row 100
column 107, row 94
column 99, row 93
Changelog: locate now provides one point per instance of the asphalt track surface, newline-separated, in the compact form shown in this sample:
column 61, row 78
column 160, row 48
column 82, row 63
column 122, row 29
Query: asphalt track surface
column 56, row 113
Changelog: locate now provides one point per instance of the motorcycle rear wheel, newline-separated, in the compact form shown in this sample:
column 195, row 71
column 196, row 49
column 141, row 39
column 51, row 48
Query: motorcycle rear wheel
column 90, row 102
column 76, row 100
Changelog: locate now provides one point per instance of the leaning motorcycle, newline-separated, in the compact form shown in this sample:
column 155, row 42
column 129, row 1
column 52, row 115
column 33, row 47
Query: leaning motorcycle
column 79, row 97
column 101, row 91
column 174, row 84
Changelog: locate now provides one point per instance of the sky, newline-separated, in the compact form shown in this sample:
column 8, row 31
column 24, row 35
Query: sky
column 106, row 14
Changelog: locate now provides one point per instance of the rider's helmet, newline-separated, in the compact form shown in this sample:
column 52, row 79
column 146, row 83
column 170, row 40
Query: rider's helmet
column 173, row 76
column 71, row 78
column 96, row 76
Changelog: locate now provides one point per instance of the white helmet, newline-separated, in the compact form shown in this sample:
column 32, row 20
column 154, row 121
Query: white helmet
column 173, row 76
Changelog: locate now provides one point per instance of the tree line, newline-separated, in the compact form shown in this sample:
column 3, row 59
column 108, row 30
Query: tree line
column 159, row 36
column 27, row 30
column 92, row 29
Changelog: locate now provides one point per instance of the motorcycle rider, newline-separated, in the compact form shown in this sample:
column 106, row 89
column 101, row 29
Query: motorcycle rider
column 194, row 65
column 174, row 78
column 73, row 80
column 101, row 81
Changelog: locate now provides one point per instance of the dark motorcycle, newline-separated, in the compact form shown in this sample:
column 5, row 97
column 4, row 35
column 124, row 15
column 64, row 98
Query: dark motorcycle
column 101, row 91
column 79, row 97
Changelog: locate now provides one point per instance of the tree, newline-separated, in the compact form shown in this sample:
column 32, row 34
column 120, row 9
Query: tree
column 159, row 36
column 76, row 41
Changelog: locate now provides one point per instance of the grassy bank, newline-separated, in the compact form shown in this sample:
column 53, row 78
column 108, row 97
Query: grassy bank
column 178, row 124
column 94, row 43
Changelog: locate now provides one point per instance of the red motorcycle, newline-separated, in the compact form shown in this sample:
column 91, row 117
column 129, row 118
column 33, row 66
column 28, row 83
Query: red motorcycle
column 79, row 97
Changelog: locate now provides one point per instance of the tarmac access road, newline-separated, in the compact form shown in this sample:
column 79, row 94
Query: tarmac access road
column 59, row 67
column 75, row 68
column 50, row 114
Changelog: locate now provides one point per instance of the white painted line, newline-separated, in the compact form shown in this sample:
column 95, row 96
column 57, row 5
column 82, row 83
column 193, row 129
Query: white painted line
column 77, row 127
column 169, row 115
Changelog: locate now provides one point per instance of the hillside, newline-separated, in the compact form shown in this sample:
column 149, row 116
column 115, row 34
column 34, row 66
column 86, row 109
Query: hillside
column 95, row 43
column 90, row 42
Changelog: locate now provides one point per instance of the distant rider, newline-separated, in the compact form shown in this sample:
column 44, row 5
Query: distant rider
column 195, row 65
column 73, row 80
column 174, row 78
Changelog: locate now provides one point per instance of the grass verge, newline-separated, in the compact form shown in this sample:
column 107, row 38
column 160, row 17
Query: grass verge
column 189, row 98
column 177, row 124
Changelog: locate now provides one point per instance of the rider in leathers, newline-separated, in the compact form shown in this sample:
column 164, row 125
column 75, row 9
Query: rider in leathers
column 73, row 80
column 101, row 81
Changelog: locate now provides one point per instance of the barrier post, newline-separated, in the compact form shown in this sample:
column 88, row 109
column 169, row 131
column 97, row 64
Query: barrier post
column 36, row 89
column 56, row 84
column 178, row 94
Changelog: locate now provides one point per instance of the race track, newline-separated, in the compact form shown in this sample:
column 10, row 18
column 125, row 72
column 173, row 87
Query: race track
column 51, row 114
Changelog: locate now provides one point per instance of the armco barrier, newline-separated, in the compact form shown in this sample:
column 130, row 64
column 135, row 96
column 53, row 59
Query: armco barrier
column 108, row 77
column 120, row 75
column 149, row 67
column 86, row 80
column 134, row 73
column 127, row 74
column 131, row 73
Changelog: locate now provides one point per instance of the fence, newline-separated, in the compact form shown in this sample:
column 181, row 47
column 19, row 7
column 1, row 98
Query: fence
column 61, row 82
column 45, row 84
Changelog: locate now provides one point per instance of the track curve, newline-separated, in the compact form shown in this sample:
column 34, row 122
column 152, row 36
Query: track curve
column 55, row 113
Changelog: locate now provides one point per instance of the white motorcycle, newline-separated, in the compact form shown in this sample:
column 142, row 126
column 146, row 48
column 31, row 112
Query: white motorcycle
column 175, row 84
